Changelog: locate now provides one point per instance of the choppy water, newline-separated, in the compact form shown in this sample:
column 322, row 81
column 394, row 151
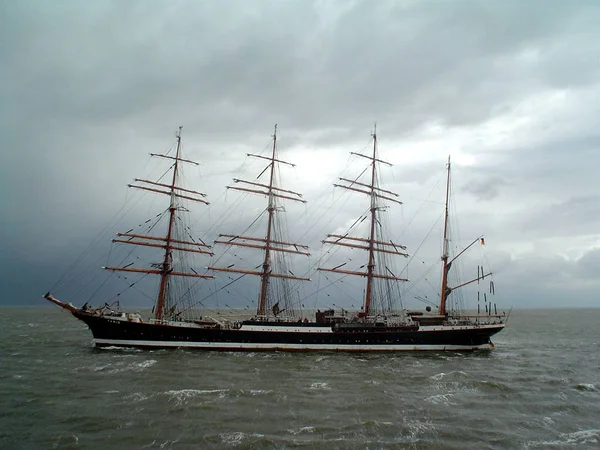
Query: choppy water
column 539, row 389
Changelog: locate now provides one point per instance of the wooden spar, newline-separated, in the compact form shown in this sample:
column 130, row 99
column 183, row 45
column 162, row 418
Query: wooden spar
column 172, row 194
column 237, row 236
column 176, row 158
column 375, row 194
column 157, row 272
column 465, row 249
column 235, row 180
column 363, row 274
column 261, row 274
column 164, row 276
column 450, row 289
column 373, row 159
column 156, row 238
column 351, row 238
column 167, row 186
column 254, row 191
column 149, row 244
column 363, row 247
column 262, row 247
column 271, row 159
column 366, row 185
column 445, row 266
column 371, row 264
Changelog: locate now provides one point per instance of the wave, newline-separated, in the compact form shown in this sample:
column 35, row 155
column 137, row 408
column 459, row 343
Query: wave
column 582, row 437
column 585, row 387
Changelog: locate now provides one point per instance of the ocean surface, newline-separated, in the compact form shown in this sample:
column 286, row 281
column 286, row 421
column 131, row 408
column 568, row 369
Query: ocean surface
column 540, row 389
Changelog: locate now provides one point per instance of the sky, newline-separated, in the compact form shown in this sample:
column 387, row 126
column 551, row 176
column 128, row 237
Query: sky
column 510, row 89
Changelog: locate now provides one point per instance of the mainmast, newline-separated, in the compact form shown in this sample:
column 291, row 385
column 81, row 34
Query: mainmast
column 268, row 244
column 167, row 242
column 164, row 276
column 264, row 279
column 372, row 244
column 371, row 264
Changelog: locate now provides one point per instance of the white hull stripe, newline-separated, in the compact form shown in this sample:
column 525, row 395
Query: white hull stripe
column 291, row 329
column 287, row 347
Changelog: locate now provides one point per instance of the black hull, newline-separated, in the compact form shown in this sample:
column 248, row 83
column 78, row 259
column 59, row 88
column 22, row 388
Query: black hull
column 287, row 337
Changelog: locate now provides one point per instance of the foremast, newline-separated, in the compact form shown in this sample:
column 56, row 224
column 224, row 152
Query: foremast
column 167, row 243
column 267, row 244
column 372, row 244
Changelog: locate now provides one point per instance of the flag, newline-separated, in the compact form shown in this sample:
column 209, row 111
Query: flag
column 482, row 241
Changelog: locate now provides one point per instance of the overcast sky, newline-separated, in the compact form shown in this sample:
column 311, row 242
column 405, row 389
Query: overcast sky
column 511, row 89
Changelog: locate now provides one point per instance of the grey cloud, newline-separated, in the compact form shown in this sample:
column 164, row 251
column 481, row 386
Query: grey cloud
column 88, row 89
column 485, row 188
column 575, row 216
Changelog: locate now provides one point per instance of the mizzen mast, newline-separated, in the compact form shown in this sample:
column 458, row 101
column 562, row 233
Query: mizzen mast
column 371, row 244
column 267, row 244
column 446, row 290
column 445, row 266
column 166, row 243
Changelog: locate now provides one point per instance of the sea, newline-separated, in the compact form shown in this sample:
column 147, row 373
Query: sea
column 539, row 389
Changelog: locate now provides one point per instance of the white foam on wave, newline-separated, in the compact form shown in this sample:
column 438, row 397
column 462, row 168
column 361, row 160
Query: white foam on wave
column 138, row 397
column 236, row 438
column 441, row 375
column 584, row 437
column 319, row 385
column 181, row 396
column 441, row 399
column 302, row 430
column 577, row 438
column 417, row 428
column 548, row 421
column 147, row 363
column 121, row 349
column 122, row 366
column 254, row 392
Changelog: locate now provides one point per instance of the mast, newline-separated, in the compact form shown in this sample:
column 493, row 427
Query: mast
column 167, row 242
column 371, row 264
column 264, row 279
column 267, row 244
column 445, row 265
column 166, row 268
column 446, row 290
column 372, row 245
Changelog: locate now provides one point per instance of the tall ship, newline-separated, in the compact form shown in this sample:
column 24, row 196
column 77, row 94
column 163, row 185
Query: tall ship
column 280, row 322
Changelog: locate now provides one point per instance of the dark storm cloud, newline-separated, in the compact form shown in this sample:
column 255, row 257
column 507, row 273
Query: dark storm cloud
column 89, row 88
